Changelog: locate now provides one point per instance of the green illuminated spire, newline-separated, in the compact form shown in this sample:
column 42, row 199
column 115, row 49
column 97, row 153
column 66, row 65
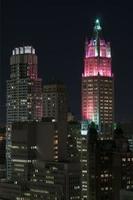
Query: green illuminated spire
column 97, row 27
column 97, row 34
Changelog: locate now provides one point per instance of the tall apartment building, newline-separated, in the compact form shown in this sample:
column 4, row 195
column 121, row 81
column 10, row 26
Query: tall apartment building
column 24, row 92
column 55, row 101
column 98, row 82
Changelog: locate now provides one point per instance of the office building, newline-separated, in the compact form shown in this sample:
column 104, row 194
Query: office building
column 39, row 165
column 56, row 180
column 73, row 141
column 84, row 159
column 49, row 180
column 23, row 150
column 52, row 140
column 33, row 141
column 98, row 82
column 24, row 92
column 55, row 101
column 107, row 165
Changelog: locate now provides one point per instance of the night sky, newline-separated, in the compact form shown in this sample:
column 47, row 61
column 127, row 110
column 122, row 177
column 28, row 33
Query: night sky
column 58, row 30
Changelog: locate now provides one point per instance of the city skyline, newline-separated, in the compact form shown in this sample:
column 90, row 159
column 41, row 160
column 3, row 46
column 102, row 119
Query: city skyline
column 66, row 44
column 65, row 84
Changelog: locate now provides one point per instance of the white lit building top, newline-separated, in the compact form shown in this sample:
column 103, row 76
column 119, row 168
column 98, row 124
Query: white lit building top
column 23, row 50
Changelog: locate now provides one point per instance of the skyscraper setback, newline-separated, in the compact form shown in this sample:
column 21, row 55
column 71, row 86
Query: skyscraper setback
column 98, row 82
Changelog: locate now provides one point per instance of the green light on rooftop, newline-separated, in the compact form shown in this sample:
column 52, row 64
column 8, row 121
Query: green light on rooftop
column 97, row 21
column 97, row 26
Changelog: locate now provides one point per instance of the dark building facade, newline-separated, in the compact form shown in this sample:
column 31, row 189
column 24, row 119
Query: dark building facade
column 2, row 152
column 11, row 191
column 33, row 141
column 109, row 166
column 55, row 101
column 48, row 180
column 73, row 141
column 56, row 180
column 126, row 195
column 39, row 165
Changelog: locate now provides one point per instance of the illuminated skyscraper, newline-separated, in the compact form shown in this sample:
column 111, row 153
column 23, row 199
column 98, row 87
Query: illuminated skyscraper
column 98, row 82
column 24, row 92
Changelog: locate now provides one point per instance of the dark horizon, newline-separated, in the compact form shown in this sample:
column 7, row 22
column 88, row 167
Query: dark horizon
column 58, row 31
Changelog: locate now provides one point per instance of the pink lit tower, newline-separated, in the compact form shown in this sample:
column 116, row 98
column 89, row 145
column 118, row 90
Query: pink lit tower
column 98, row 82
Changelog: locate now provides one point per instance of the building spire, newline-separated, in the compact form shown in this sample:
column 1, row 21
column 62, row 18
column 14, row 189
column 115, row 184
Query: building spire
column 97, row 27
column 97, row 30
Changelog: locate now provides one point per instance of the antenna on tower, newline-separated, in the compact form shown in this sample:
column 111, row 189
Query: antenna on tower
column 97, row 27
column 97, row 30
